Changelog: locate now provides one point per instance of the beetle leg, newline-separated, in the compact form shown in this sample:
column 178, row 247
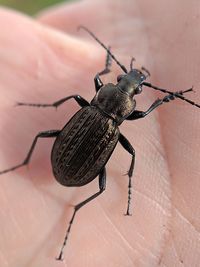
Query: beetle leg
column 169, row 92
column 79, row 99
column 51, row 133
column 102, row 187
column 141, row 114
column 107, row 64
column 128, row 147
column 97, row 81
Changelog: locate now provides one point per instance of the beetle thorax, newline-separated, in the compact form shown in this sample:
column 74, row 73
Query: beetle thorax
column 114, row 102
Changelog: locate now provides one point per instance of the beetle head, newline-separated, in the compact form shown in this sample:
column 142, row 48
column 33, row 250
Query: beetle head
column 131, row 83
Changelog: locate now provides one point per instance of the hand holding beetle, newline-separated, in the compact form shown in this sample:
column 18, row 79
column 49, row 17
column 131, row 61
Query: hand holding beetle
column 146, row 198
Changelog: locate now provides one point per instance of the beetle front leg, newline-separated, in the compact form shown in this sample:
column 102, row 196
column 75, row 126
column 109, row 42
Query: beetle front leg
column 141, row 114
column 97, row 81
column 51, row 133
column 108, row 64
column 102, row 187
column 169, row 92
column 126, row 145
column 79, row 99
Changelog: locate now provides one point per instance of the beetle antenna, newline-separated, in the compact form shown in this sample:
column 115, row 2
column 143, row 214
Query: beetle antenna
column 106, row 48
column 177, row 95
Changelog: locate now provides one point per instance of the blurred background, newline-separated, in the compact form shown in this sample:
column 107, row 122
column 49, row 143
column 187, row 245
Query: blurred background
column 30, row 7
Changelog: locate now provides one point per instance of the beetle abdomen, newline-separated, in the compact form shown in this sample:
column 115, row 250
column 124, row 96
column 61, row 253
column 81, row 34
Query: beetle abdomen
column 83, row 147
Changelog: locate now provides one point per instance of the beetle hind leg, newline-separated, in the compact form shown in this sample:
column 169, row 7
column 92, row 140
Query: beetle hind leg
column 128, row 147
column 102, row 187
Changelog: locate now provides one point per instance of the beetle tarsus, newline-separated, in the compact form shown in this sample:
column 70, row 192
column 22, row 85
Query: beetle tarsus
column 102, row 186
column 79, row 99
column 108, row 64
column 60, row 257
column 51, row 133
column 128, row 147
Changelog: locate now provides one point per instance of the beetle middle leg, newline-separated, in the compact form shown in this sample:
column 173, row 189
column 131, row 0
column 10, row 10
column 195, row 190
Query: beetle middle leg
column 50, row 133
column 126, row 145
column 97, row 81
column 102, row 187
column 79, row 99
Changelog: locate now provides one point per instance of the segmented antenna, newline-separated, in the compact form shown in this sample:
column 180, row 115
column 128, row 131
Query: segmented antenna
column 169, row 92
column 106, row 48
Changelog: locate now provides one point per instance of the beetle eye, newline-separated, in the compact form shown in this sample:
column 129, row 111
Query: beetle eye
column 119, row 77
column 138, row 90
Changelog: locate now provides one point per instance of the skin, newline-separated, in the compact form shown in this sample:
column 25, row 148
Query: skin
column 40, row 64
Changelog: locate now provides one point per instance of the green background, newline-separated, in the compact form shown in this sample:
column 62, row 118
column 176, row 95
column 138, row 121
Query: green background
column 29, row 6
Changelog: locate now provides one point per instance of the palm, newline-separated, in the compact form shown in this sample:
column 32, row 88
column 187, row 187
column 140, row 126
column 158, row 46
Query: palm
column 41, row 65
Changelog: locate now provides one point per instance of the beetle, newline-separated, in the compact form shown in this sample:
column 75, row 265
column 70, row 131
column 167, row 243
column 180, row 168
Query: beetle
column 85, row 144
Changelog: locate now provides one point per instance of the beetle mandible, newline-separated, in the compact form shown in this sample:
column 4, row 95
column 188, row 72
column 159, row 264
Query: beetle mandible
column 85, row 144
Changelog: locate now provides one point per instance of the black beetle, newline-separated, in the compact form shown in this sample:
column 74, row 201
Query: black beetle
column 85, row 144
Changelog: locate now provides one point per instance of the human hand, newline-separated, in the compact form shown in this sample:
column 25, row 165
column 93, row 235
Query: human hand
column 39, row 64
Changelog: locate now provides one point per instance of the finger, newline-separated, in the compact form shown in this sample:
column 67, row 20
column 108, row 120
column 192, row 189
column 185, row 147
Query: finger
column 36, row 64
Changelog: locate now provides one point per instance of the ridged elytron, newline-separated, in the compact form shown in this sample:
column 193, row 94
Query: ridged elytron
column 85, row 144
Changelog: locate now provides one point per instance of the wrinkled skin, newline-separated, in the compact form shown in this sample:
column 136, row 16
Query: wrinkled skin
column 40, row 64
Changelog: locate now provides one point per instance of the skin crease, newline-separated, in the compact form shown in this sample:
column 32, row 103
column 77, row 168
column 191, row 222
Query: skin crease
column 40, row 64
